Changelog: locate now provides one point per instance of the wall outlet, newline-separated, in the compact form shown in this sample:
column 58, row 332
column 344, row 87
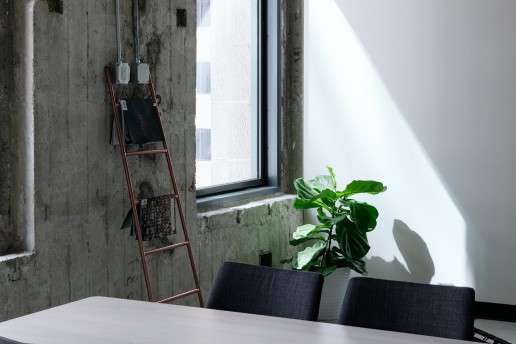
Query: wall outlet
column 181, row 17
column 266, row 258
column 121, row 73
column 140, row 73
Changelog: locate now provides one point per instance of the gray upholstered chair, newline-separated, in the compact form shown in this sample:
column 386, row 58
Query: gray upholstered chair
column 266, row 291
column 433, row 310
column 4, row 340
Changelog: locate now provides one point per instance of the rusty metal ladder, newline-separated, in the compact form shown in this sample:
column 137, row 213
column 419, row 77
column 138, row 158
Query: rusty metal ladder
column 115, row 104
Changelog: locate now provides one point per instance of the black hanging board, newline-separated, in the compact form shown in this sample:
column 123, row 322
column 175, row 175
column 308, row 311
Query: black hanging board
column 140, row 121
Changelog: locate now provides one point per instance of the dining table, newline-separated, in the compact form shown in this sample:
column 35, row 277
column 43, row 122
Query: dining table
column 101, row 319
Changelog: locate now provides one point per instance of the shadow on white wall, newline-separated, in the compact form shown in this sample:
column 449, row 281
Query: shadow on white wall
column 419, row 266
column 353, row 124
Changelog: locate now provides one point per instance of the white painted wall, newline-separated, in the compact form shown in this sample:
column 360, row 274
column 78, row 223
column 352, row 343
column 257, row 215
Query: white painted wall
column 421, row 95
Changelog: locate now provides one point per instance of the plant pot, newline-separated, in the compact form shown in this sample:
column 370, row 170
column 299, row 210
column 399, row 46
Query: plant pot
column 334, row 288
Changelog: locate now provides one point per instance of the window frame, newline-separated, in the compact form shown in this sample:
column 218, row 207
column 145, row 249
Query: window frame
column 269, row 63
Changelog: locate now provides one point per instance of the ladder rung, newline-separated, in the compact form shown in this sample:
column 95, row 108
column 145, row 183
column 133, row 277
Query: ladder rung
column 117, row 104
column 178, row 296
column 137, row 201
column 166, row 248
column 146, row 152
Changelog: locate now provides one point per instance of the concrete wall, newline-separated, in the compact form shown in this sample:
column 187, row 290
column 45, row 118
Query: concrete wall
column 5, row 126
column 292, row 58
column 242, row 233
column 420, row 95
column 17, row 171
column 79, row 197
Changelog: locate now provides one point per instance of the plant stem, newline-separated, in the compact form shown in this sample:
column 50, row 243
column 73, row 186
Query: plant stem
column 326, row 257
column 327, row 252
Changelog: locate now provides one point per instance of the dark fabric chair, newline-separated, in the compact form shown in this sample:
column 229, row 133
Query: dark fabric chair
column 4, row 340
column 432, row 310
column 266, row 291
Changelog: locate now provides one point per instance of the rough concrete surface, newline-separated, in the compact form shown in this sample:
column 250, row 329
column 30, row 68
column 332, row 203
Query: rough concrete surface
column 292, row 95
column 5, row 126
column 80, row 196
column 241, row 233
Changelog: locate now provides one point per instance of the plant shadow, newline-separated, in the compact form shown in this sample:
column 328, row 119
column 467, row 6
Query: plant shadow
column 419, row 268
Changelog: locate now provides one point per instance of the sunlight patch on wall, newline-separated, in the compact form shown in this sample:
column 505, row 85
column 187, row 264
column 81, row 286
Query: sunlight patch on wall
column 353, row 125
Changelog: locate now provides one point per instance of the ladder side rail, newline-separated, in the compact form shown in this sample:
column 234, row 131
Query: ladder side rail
column 176, row 192
column 129, row 183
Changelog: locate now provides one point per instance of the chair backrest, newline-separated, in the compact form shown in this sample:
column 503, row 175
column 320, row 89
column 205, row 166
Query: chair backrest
column 432, row 310
column 266, row 291
column 4, row 340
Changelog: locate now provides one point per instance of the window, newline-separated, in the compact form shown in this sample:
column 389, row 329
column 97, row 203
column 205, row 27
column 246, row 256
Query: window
column 236, row 100
column 202, row 144
column 203, row 13
column 203, row 81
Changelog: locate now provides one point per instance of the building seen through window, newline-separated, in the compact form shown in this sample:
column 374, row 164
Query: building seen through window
column 227, row 101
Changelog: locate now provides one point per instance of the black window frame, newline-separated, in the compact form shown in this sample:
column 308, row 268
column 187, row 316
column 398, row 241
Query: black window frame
column 269, row 63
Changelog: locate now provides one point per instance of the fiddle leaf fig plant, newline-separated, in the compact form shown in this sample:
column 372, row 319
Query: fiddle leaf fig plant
column 340, row 238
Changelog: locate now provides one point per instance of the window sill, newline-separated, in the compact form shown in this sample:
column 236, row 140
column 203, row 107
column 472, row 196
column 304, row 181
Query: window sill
column 238, row 208
column 15, row 256
column 223, row 200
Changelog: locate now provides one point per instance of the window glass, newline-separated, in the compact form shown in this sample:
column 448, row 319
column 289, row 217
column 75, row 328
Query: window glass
column 202, row 144
column 227, row 90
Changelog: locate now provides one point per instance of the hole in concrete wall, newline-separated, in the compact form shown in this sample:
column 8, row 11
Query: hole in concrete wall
column 181, row 17
column 55, row 6
column 265, row 258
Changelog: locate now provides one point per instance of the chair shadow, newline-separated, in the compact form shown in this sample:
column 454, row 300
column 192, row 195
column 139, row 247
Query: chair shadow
column 420, row 266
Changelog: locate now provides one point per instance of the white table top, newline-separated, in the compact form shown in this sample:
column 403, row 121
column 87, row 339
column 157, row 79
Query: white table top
column 109, row 320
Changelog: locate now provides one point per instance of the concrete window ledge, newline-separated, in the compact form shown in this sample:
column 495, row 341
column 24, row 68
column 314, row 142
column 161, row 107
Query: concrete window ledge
column 238, row 197
column 15, row 256
column 228, row 210
column 245, row 232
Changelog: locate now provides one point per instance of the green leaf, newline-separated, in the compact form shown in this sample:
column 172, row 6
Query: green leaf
column 295, row 242
column 305, row 233
column 332, row 175
column 325, row 194
column 363, row 186
column 321, row 212
column 355, row 264
column 363, row 215
column 352, row 241
column 336, row 251
column 341, row 262
column 302, row 260
column 360, row 266
column 351, row 219
column 300, row 204
column 323, row 182
column 330, row 221
column 304, row 191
